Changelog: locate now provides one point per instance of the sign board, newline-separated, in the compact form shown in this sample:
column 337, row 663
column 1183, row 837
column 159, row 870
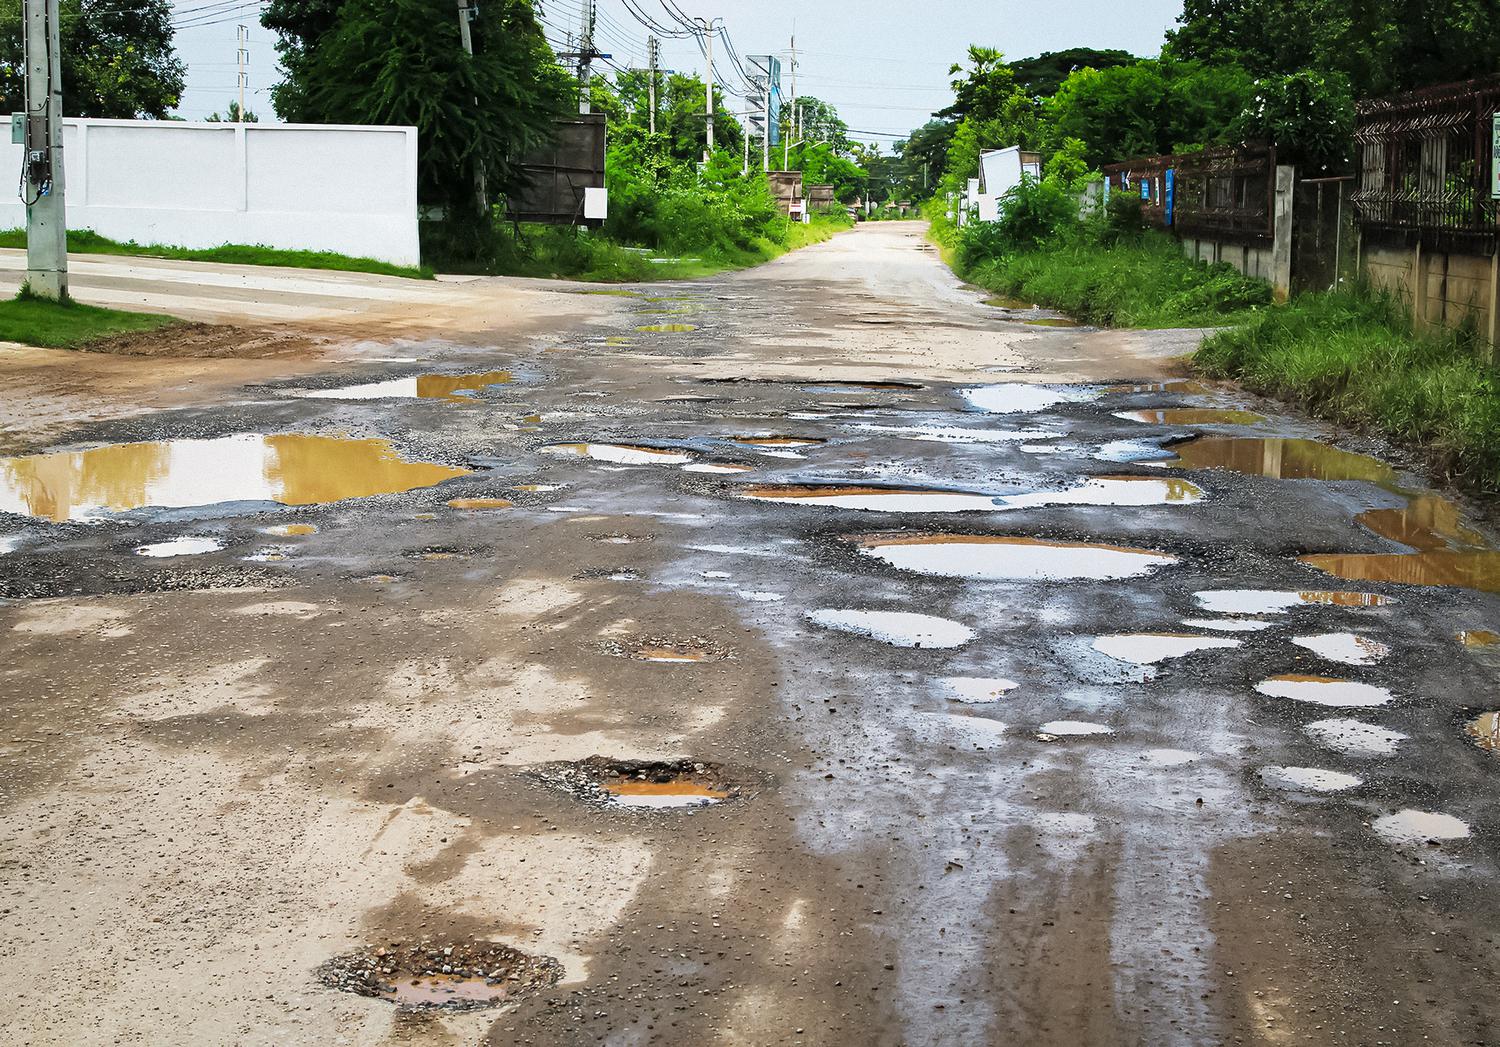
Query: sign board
column 559, row 175
column 763, row 101
column 1145, row 188
column 1169, row 193
column 1495, row 158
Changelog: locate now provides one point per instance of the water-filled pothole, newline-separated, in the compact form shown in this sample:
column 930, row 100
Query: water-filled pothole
column 689, row 651
column 976, row 690
column 293, row 530
column 668, row 328
column 1355, row 737
column 777, row 440
column 1054, row 729
column 835, row 385
column 1308, row 779
column 480, row 503
column 1427, row 827
column 877, row 499
column 466, row 975
column 1280, row 458
column 622, row 454
column 897, row 628
column 1484, row 729
column 1270, row 601
column 1154, row 648
column 1347, row 648
column 1325, row 690
column 426, row 386
column 185, row 545
column 1022, row 397
column 1006, row 558
column 1051, row 321
column 645, row 784
column 290, row 468
column 1191, row 416
column 1478, row 638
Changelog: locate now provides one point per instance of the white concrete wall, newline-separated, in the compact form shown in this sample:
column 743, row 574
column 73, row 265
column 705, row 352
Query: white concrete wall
column 292, row 186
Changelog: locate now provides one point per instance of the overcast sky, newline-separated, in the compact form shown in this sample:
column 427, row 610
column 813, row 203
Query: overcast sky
column 882, row 63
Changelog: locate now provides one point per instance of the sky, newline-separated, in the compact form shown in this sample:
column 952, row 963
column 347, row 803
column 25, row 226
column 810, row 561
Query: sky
column 882, row 63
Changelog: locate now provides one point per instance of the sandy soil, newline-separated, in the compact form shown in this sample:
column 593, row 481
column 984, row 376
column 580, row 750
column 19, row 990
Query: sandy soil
column 220, row 771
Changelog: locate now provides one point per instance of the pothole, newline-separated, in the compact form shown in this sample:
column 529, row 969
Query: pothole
column 426, row 386
column 668, row 328
column 289, row 468
column 1308, row 779
column 622, row 454
column 777, row 440
column 1450, row 568
column 480, row 503
column 1484, row 729
column 1346, row 648
column 717, row 467
column 670, row 651
column 872, row 499
column 186, row 545
column 1112, row 491
column 1281, row 458
column 1227, row 625
column 997, row 558
column 1355, row 737
column 897, row 628
column 462, row 976
column 1191, row 416
column 1325, row 690
column 1055, row 729
column 1022, row 398
column 1051, row 321
column 645, row 784
column 835, row 385
column 976, row 690
column 1420, row 827
column 1154, row 648
column 293, row 530
column 956, row 434
column 1270, row 601
column 1478, row 638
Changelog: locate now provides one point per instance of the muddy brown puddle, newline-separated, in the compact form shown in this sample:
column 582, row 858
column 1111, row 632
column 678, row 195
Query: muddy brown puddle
column 425, row 386
column 1191, row 416
column 290, row 468
column 644, row 785
column 458, row 976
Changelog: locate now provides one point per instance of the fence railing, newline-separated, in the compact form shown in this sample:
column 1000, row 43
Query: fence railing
column 1226, row 193
column 1425, row 171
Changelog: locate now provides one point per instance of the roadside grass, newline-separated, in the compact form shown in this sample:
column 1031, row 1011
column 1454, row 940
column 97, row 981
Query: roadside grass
column 85, row 241
column 68, row 325
column 1143, row 283
column 1353, row 357
column 560, row 252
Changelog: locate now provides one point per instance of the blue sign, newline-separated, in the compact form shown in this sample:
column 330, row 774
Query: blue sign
column 1145, row 188
column 1171, row 180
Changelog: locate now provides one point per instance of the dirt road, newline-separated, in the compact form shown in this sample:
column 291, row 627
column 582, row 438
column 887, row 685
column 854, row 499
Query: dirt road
column 814, row 655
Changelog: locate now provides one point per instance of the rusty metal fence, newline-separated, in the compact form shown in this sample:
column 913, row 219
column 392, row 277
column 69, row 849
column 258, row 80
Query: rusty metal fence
column 1425, row 167
column 1225, row 194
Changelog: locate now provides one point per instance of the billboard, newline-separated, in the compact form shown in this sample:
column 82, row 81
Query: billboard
column 764, row 100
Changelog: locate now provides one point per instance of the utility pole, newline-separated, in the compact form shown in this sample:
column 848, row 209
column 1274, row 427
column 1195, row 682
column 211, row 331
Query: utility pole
column 466, row 13
column 708, row 85
column 242, row 60
column 42, row 181
column 653, row 53
column 766, row 144
column 786, row 146
column 586, row 56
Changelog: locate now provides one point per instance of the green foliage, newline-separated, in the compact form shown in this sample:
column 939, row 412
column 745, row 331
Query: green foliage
column 1068, row 166
column 1145, row 283
column 1352, row 356
column 85, row 241
column 820, row 164
column 1308, row 115
column 924, row 157
column 232, row 115
column 1377, row 45
column 402, row 62
column 1033, row 213
column 1043, row 75
column 117, row 58
column 67, row 325
column 820, row 123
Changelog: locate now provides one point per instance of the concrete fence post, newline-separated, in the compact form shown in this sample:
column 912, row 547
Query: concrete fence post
column 1281, row 243
column 1419, row 268
column 1494, row 325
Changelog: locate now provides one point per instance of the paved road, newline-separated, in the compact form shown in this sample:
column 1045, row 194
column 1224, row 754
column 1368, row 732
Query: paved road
column 1004, row 712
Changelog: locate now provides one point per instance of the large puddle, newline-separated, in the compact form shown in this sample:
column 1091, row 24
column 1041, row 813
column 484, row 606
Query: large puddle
column 622, row 454
column 1021, row 397
column 1324, row 690
column 426, row 386
column 997, row 558
column 1271, row 601
column 1413, row 826
column 1308, row 779
column 876, row 499
column 659, row 795
column 1447, row 551
column 777, row 440
column 291, row 468
column 1191, row 416
column 977, row 690
column 897, row 628
column 1113, row 490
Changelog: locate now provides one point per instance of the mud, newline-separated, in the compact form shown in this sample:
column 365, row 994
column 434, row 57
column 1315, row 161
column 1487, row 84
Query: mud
column 457, row 977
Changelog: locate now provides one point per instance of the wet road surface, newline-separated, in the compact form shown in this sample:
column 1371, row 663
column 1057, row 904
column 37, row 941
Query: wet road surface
column 815, row 655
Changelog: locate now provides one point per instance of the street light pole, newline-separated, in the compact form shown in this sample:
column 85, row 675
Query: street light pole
column 708, row 80
column 42, row 183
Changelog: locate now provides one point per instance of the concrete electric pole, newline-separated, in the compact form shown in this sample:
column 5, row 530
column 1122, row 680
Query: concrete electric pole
column 242, row 60
column 585, row 56
column 786, row 145
column 653, row 53
column 708, row 85
column 42, row 183
column 466, row 13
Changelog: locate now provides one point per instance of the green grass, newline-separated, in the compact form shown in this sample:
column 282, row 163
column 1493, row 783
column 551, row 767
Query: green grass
column 1352, row 356
column 1145, row 283
column 558, row 252
column 84, row 241
column 68, row 325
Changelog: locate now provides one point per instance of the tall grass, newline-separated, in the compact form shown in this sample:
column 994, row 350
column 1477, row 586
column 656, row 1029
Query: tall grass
column 1352, row 356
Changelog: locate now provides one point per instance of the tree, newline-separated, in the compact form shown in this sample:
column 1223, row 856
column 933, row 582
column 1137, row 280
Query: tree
column 1041, row 76
column 924, row 157
column 820, row 123
column 402, row 62
column 232, row 116
column 117, row 58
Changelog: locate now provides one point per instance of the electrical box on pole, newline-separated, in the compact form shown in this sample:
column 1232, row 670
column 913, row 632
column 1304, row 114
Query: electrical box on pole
column 42, row 180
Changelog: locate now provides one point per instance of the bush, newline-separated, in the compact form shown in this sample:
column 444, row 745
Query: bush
column 1031, row 214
